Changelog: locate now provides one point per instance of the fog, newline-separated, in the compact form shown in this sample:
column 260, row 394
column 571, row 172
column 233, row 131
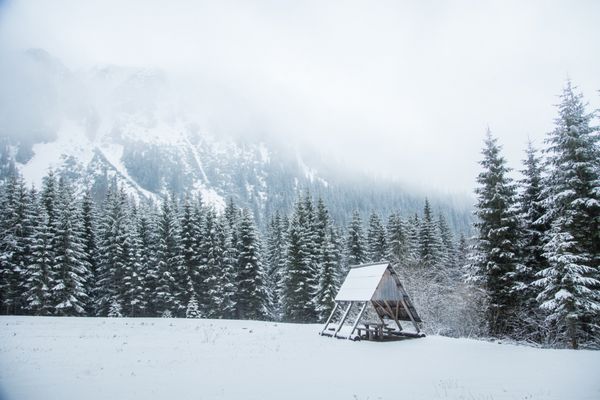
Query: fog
column 400, row 89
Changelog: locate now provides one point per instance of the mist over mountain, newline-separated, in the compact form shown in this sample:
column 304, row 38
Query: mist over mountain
column 131, row 125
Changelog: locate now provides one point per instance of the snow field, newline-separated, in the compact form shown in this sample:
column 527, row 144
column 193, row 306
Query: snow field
column 50, row 358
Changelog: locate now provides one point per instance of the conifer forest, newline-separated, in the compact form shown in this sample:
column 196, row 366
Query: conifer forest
column 529, row 269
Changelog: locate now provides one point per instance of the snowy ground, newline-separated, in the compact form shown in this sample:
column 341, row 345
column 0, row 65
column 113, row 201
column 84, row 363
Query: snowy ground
column 113, row 359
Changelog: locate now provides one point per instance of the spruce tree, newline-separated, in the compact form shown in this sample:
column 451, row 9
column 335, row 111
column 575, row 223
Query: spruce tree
column 112, row 257
column 531, row 210
column 297, row 291
column 569, row 284
column 14, row 244
column 192, row 308
column 376, row 240
column 71, row 266
column 38, row 278
column 169, row 261
column 90, row 220
column 227, row 275
column 497, row 239
column 397, row 241
column 355, row 243
column 328, row 276
column 251, row 294
column 275, row 259
column 133, row 298
column 430, row 242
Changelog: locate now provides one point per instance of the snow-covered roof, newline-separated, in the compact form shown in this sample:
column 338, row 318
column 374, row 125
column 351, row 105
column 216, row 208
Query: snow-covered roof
column 361, row 282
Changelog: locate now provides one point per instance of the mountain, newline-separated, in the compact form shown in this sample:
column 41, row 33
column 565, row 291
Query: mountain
column 123, row 124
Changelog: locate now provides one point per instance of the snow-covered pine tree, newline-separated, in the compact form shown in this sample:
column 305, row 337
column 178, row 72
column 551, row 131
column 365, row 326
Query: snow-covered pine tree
column 90, row 246
column 211, row 268
column 430, row 242
column 133, row 292
column 37, row 279
column 315, row 251
column 328, row 277
column 14, row 243
column 448, row 245
column 570, row 284
column 355, row 243
column 227, row 274
column 376, row 240
column 114, row 310
column 397, row 241
column 275, row 259
column 192, row 308
column 169, row 261
column 71, row 266
column 496, row 245
column 533, row 231
column 50, row 196
column 297, row 290
column 191, row 238
column 112, row 258
column 413, row 227
column 145, row 225
column 251, row 294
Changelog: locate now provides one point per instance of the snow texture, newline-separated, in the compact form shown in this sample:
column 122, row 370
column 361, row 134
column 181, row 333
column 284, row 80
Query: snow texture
column 53, row 358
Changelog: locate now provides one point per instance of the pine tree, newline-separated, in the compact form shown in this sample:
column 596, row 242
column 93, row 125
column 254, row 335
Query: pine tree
column 192, row 308
column 569, row 285
column 71, row 267
column 355, row 247
column 448, row 245
column 90, row 246
column 497, row 240
column 14, row 244
column 297, row 292
column 430, row 242
column 328, row 277
column 212, row 266
column 376, row 240
column 227, row 274
column 38, row 274
column 251, row 295
column 145, row 225
column 398, row 251
column 169, row 261
column 191, row 239
column 112, row 257
column 531, row 210
column 114, row 310
column 133, row 291
column 275, row 259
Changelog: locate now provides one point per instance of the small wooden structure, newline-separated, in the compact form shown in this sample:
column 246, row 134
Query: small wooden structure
column 376, row 290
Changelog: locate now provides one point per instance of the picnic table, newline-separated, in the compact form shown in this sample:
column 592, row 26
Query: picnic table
column 373, row 329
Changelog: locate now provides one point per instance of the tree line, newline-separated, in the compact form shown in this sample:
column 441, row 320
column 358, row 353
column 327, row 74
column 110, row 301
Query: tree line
column 61, row 253
column 532, row 271
column 536, row 257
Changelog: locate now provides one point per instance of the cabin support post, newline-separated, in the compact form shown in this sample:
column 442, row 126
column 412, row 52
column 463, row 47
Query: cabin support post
column 362, row 310
column 404, row 304
column 343, row 319
column 392, row 314
column 410, row 314
column 329, row 319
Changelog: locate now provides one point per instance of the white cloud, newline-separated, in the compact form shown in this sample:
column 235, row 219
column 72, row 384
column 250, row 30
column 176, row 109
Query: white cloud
column 404, row 89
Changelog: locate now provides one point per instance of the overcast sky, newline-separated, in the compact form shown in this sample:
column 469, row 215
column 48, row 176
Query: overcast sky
column 404, row 89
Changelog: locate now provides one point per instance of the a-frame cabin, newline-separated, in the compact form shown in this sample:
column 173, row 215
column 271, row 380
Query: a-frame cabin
column 374, row 290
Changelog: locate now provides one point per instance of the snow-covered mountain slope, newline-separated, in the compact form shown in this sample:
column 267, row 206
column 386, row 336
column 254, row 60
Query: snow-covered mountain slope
column 54, row 358
column 129, row 125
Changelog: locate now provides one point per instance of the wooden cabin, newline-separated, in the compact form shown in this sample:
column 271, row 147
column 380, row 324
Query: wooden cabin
column 370, row 305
